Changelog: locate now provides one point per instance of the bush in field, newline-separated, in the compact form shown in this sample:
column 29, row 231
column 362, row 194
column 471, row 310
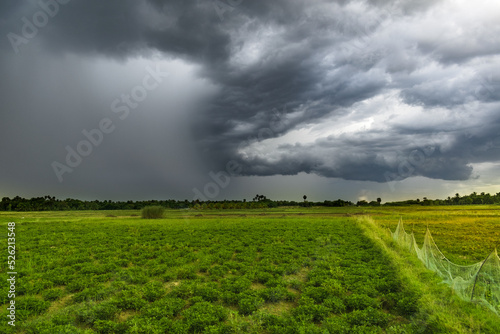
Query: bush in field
column 310, row 313
column 27, row 306
column 209, row 293
column 47, row 328
column 408, row 305
column 360, row 302
column 317, row 293
column 201, row 315
column 153, row 290
column 367, row 317
column 250, row 304
column 165, row 307
column 153, row 212
column 130, row 299
column 89, row 313
column 235, row 285
column 89, row 294
column 335, row 304
column 229, row 298
column 52, row 294
column 274, row 295
column 139, row 325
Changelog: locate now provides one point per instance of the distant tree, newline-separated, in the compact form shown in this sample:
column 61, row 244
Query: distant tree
column 304, row 197
column 259, row 198
column 379, row 200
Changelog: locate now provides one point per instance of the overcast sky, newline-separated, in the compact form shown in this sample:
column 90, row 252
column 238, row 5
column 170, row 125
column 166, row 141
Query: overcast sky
column 184, row 99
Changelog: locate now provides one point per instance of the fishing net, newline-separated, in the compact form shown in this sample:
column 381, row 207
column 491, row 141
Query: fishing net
column 479, row 282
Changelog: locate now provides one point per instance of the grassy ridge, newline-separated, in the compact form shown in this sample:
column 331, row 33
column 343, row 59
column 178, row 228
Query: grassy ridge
column 465, row 234
column 439, row 309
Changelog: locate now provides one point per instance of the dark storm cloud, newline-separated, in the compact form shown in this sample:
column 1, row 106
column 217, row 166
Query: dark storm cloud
column 279, row 68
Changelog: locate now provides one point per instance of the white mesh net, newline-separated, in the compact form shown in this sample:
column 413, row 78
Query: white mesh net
column 479, row 282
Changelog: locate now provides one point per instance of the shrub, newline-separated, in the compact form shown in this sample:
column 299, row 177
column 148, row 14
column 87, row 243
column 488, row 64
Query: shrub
column 61, row 329
column 202, row 315
column 308, row 313
column 188, row 272
column 295, row 284
column 250, row 304
column 30, row 305
column 153, row 291
column 317, row 293
column 185, row 290
column 208, row 293
column 130, row 300
column 90, row 294
column 229, row 298
column 79, row 284
column 335, row 304
column 274, row 295
column 337, row 325
column 236, row 285
column 367, row 317
column 63, row 317
column 360, row 302
column 134, row 275
column 52, row 294
column 169, row 276
column 153, row 212
column 408, row 305
column 165, row 307
column 105, row 326
column 263, row 277
column 218, row 270
column 89, row 313
column 139, row 325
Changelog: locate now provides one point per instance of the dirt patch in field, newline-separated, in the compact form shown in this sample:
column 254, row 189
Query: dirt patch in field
column 278, row 308
column 170, row 285
column 123, row 316
column 300, row 275
column 60, row 303
column 257, row 286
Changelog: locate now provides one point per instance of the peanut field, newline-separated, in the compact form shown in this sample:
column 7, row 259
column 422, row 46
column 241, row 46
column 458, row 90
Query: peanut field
column 268, row 271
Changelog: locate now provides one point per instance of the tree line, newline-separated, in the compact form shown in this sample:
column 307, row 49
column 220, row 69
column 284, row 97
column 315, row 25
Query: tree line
column 50, row 203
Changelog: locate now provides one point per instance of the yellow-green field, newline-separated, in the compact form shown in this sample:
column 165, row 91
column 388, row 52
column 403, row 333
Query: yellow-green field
column 465, row 234
column 283, row 270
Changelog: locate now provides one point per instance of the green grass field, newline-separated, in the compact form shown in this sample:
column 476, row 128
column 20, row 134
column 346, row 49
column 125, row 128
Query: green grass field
column 284, row 270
